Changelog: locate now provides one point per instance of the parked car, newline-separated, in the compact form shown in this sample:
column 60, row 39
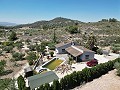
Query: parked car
column 92, row 63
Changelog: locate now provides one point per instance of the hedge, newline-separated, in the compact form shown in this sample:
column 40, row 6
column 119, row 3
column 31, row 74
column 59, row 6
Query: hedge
column 78, row 78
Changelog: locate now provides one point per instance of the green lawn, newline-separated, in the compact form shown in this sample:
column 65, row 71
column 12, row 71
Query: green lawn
column 53, row 64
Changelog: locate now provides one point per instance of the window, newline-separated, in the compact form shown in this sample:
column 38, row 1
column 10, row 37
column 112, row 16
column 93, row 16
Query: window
column 63, row 50
column 86, row 56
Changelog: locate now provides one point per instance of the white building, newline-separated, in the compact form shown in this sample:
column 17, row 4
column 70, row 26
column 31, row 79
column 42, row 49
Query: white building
column 78, row 53
column 60, row 48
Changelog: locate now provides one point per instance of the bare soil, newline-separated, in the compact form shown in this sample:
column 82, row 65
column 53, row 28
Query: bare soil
column 11, row 67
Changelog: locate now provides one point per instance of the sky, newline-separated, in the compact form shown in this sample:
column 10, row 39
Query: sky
column 29, row 11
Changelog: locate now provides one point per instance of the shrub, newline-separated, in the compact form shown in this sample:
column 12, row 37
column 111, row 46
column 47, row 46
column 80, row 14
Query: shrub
column 12, row 36
column 99, row 51
column 117, row 66
column 18, row 56
column 8, row 49
column 51, row 53
column 2, row 66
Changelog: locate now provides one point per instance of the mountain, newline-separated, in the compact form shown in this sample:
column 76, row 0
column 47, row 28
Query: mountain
column 56, row 22
column 7, row 24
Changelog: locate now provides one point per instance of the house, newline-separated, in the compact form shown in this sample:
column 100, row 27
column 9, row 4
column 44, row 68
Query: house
column 80, row 53
column 60, row 48
column 39, row 79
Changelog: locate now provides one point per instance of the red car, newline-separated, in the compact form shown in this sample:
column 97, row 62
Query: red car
column 92, row 63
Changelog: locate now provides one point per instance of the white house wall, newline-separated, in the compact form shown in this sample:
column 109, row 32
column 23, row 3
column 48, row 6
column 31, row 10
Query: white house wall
column 59, row 49
column 91, row 56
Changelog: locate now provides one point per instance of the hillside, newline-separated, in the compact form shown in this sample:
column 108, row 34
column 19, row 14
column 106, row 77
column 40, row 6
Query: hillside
column 56, row 22
column 59, row 22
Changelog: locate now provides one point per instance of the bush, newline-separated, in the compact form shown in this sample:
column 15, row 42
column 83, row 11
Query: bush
column 2, row 66
column 31, row 57
column 117, row 66
column 99, row 51
column 0, row 52
column 51, row 53
column 8, row 43
column 72, row 29
column 12, row 36
column 8, row 49
column 18, row 56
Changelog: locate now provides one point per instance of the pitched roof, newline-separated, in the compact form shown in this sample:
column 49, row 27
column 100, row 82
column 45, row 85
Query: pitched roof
column 77, row 50
column 62, row 44
column 37, row 80
column 73, row 51
column 83, row 48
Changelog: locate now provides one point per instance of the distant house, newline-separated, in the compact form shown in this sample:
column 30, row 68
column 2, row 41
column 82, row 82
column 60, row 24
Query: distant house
column 60, row 48
column 80, row 53
column 39, row 79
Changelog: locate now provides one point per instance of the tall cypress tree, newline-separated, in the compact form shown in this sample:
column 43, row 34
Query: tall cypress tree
column 21, row 83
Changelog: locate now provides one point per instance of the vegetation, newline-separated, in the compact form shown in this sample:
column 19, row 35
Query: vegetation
column 18, row 56
column 117, row 66
column 115, row 48
column 12, row 36
column 19, row 44
column 2, row 66
column 54, row 37
column 8, row 49
column 21, row 83
column 31, row 57
column 91, row 42
column 72, row 29
column 7, row 84
column 51, row 53
column 100, row 51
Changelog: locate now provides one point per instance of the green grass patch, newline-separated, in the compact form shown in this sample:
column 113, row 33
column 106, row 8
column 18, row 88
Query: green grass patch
column 53, row 64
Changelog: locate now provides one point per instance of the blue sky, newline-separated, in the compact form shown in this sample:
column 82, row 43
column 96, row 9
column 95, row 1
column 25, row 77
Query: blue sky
column 27, row 11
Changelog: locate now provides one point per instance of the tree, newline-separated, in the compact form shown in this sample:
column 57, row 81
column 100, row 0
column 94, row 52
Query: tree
column 72, row 29
column 7, row 84
column 2, row 66
column 32, row 47
column 21, row 83
column 12, row 36
column 117, row 66
column 19, row 45
column 51, row 53
column 47, row 86
column 8, row 49
column 112, row 20
column 31, row 57
column 38, row 48
column 18, row 56
column 54, row 37
column 91, row 42
column 0, row 52
column 56, row 85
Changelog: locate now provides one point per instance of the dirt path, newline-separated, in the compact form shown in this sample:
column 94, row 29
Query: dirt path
column 107, row 82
